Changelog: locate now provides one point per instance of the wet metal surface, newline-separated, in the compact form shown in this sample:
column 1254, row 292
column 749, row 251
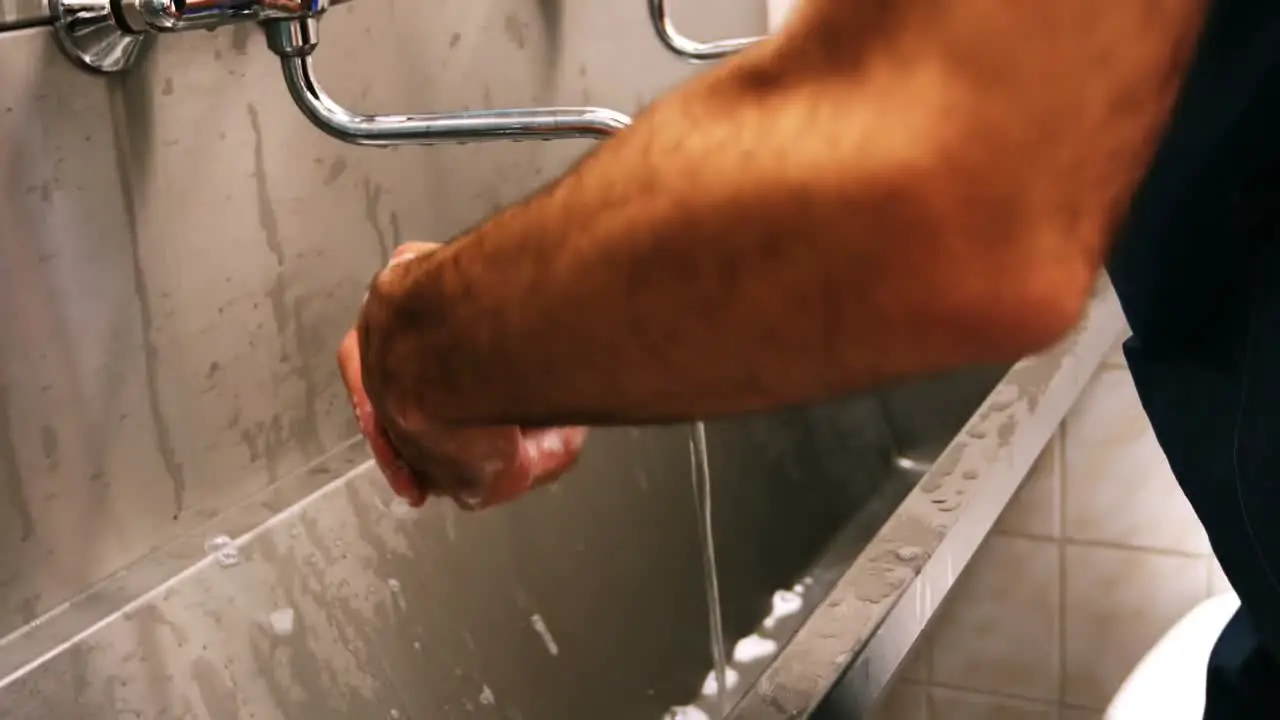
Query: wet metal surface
column 23, row 13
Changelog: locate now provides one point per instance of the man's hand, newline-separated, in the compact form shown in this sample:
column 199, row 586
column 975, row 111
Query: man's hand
column 477, row 467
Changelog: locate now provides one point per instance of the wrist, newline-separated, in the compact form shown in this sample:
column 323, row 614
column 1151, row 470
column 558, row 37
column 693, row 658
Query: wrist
column 397, row 326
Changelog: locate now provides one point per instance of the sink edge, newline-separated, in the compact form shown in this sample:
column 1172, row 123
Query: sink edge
column 846, row 653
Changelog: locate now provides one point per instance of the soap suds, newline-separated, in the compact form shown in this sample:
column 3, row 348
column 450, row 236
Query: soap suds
column 282, row 622
column 552, row 443
column 401, row 509
column 785, row 604
column 223, row 550
column 486, row 696
column 752, row 648
column 540, row 627
column 685, row 712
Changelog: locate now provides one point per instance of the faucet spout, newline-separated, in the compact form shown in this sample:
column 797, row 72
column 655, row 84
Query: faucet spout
column 691, row 50
column 295, row 40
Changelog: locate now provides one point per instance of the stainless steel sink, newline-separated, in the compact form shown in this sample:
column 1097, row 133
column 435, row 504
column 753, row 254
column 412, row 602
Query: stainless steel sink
column 585, row 601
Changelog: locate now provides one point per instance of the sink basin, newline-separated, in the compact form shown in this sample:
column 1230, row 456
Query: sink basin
column 586, row 600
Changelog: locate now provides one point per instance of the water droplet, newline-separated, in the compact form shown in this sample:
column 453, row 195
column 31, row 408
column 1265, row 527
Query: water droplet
column 909, row 554
column 540, row 626
column 711, row 687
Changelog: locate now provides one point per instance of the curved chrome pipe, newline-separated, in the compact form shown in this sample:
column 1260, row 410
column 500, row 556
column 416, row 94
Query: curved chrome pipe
column 294, row 41
column 691, row 49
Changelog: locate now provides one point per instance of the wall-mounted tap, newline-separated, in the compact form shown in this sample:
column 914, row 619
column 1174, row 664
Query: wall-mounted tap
column 110, row 35
column 294, row 41
column 691, row 50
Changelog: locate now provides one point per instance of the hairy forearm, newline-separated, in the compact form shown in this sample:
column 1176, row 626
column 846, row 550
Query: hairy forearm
column 805, row 221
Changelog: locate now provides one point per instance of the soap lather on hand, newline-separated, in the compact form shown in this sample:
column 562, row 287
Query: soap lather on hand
column 477, row 467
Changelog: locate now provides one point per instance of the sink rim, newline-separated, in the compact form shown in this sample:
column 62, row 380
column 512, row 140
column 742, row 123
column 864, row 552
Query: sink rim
column 846, row 653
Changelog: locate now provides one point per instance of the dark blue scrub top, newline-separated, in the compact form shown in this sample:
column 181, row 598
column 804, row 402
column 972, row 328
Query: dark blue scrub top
column 1211, row 192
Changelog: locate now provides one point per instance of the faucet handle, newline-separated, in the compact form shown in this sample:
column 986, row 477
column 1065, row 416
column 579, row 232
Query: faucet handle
column 109, row 35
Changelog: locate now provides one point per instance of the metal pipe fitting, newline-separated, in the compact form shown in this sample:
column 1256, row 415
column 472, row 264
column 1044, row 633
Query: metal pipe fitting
column 691, row 50
column 295, row 40
column 108, row 35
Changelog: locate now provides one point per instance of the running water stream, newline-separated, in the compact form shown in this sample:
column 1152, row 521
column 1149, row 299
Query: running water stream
column 702, row 499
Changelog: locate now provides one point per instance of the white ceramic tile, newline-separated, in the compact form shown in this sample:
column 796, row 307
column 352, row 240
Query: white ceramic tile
column 1119, row 602
column 1117, row 486
column 1115, row 357
column 998, row 632
column 1218, row 583
column 905, row 701
column 1035, row 509
column 955, row 705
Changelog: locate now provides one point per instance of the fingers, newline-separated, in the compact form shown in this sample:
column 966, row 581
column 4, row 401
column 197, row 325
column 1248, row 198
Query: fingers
column 349, row 364
column 499, row 463
column 384, row 454
column 543, row 457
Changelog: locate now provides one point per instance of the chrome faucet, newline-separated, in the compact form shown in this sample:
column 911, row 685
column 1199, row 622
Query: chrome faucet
column 295, row 40
column 691, row 50
column 110, row 35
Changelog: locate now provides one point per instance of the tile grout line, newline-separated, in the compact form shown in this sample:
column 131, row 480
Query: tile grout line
column 1105, row 545
column 1013, row 697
